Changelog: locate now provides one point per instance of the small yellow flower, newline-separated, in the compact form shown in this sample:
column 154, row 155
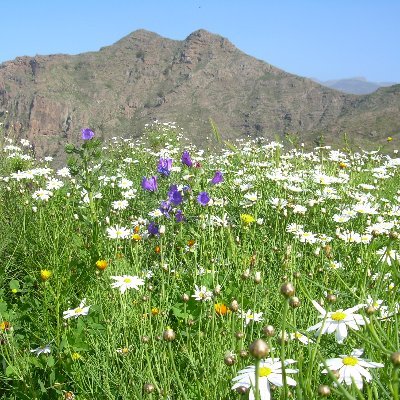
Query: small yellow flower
column 247, row 219
column 76, row 356
column 389, row 139
column 5, row 326
column 101, row 265
column 136, row 237
column 342, row 165
column 45, row 274
column 155, row 311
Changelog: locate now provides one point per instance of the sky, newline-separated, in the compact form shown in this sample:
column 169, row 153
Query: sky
column 323, row 39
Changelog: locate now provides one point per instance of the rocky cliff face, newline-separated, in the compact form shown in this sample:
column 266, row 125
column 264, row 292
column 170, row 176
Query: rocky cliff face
column 142, row 77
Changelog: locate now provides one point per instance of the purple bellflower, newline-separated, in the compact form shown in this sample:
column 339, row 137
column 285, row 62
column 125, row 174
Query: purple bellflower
column 150, row 184
column 218, row 178
column 87, row 134
column 203, row 198
column 174, row 195
column 164, row 166
column 186, row 159
column 152, row 229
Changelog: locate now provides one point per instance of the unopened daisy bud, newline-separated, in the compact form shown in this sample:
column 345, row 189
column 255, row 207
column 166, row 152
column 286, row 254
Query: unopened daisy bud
column 185, row 298
column 45, row 274
column 259, row 349
column 257, row 277
column 229, row 359
column 393, row 235
column 269, row 331
column 395, row 359
column 242, row 390
column 145, row 339
column 287, row 289
column 150, row 288
column 239, row 335
column 169, row 335
column 324, row 390
column 145, row 298
column 294, row 302
column 331, row 298
column 234, row 306
column 148, row 388
column 297, row 274
column 243, row 353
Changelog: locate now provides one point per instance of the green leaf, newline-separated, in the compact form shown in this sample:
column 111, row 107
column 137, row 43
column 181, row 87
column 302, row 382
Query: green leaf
column 10, row 370
column 42, row 387
column 14, row 284
column 50, row 361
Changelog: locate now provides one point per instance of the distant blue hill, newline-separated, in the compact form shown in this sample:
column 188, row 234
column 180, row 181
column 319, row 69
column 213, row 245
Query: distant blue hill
column 357, row 85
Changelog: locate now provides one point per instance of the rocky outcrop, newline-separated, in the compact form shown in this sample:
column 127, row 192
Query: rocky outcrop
column 144, row 76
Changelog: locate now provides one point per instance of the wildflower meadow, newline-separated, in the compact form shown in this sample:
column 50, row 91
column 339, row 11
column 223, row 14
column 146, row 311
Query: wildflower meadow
column 153, row 269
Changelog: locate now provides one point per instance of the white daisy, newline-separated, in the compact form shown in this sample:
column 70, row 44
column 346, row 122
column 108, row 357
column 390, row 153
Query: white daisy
column 251, row 316
column 352, row 368
column 42, row 350
column 202, row 293
column 76, row 312
column 125, row 282
column 338, row 321
column 270, row 372
column 118, row 232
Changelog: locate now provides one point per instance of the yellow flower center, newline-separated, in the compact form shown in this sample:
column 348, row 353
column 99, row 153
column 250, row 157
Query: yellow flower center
column 350, row 361
column 78, row 310
column 127, row 280
column 298, row 335
column 250, row 316
column 338, row 316
column 264, row 371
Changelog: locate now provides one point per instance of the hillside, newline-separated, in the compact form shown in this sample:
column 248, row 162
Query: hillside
column 143, row 76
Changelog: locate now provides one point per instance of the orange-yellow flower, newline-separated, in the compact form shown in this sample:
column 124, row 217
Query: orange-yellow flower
column 221, row 309
column 155, row 311
column 101, row 265
column 136, row 237
column 5, row 326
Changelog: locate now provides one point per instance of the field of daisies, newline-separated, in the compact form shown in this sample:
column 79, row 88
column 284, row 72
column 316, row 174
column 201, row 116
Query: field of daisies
column 151, row 269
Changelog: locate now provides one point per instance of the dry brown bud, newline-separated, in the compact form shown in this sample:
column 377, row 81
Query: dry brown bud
column 287, row 289
column 324, row 390
column 148, row 388
column 294, row 302
column 259, row 349
column 395, row 359
column 169, row 335
column 269, row 330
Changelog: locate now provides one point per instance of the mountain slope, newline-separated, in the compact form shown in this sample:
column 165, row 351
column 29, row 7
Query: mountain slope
column 143, row 77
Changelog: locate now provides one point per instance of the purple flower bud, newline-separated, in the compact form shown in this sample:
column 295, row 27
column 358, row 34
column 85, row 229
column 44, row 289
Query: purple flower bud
column 218, row 178
column 179, row 217
column 203, row 198
column 186, row 159
column 150, row 184
column 164, row 166
column 87, row 134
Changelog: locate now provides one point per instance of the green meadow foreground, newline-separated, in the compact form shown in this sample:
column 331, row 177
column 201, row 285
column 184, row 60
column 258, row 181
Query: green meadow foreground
column 155, row 270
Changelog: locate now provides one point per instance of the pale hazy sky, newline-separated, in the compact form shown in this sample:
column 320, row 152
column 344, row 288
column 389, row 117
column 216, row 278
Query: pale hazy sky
column 325, row 39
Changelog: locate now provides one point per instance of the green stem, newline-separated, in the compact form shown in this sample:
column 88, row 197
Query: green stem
column 171, row 355
column 285, row 310
column 257, row 378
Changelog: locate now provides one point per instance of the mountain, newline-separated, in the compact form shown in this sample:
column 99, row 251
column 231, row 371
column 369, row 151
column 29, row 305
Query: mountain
column 142, row 77
column 357, row 85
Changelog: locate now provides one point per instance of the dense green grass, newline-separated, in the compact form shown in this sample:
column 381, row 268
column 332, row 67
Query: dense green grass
column 240, row 246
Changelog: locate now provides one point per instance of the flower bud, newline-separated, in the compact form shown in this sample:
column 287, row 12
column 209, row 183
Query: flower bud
column 148, row 388
column 294, row 302
column 185, row 298
column 331, row 298
column 324, row 390
column 395, row 359
column 259, row 349
column 269, row 330
column 169, row 335
column 234, row 306
column 287, row 289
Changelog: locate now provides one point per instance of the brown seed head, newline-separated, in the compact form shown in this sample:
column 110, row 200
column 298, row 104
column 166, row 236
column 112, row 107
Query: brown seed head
column 287, row 289
column 331, row 298
column 234, row 306
column 259, row 349
column 169, row 335
column 239, row 335
column 269, row 331
column 324, row 390
column 229, row 360
column 242, row 390
column 294, row 302
column 185, row 298
column 243, row 353
column 148, row 388
column 395, row 359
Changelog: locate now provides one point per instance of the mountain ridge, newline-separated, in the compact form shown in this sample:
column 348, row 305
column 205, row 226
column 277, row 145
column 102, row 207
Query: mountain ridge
column 144, row 76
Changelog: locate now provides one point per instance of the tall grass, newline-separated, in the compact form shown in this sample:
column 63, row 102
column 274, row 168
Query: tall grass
column 325, row 221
